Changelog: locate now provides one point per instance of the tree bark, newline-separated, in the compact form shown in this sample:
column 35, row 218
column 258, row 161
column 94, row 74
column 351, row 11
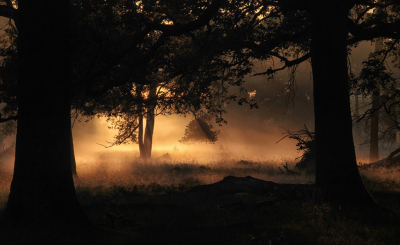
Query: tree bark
column 148, row 136
column 336, row 166
column 42, row 190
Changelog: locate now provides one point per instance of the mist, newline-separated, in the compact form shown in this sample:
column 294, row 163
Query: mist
column 250, row 134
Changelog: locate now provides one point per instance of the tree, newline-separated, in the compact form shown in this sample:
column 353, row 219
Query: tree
column 146, row 142
column 8, row 84
column 323, row 36
column 42, row 190
column 376, row 73
column 374, row 138
column 333, row 124
column 148, row 134
column 200, row 130
column 186, row 73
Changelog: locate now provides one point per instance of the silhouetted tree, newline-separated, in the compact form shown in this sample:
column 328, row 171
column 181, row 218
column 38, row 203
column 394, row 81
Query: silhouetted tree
column 320, row 31
column 190, row 73
column 42, row 190
column 199, row 130
column 374, row 132
column 8, row 84
column 384, row 105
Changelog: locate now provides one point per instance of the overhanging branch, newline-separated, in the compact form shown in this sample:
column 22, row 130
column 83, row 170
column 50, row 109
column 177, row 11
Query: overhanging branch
column 202, row 20
column 288, row 63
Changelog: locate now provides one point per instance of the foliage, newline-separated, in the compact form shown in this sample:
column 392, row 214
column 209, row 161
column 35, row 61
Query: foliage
column 8, row 77
column 199, row 130
column 305, row 143
column 190, row 61
column 376, row 73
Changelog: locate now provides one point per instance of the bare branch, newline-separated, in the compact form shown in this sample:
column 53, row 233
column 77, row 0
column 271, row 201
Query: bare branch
column 288, row 63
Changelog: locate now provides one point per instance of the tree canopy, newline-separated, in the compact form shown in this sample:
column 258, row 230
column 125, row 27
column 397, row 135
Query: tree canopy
column 194, row 50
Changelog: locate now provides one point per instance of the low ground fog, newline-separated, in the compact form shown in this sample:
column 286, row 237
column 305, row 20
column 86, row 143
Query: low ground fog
column 111, row 169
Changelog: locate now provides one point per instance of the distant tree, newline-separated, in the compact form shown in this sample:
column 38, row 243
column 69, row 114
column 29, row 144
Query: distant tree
column 199, row 130
column 186, row 73
column 374, row 132
column 376, row 73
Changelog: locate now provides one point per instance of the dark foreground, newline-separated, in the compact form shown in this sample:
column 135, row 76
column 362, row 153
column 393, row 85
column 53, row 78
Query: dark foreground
column 234, row 211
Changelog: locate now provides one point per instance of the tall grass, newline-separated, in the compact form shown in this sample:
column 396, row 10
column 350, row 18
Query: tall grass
column 121, row 169
column 105, row 171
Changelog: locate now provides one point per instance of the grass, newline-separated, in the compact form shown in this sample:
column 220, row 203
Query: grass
column 145, row 203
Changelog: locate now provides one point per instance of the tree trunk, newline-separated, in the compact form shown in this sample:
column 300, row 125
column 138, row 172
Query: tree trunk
column 73, row 162
column 140, row 136
column 374, row 137
column 357, row 107
column 42, row 190
column 336, row 166
column 148, row 136
column 140, row 112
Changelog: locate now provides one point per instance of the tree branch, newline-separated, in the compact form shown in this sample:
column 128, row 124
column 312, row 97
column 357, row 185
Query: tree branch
column 376, row 4
column 177, row 29
column 288, row 63
column 8, row 118
column 386, row 30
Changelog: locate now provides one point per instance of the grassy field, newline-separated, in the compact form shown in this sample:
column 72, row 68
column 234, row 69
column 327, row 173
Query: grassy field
column 150, row 203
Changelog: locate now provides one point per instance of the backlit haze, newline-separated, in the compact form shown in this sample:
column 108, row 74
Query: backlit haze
column 249, row 134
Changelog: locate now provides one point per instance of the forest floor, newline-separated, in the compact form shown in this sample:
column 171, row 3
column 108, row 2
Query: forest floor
column 175, row 203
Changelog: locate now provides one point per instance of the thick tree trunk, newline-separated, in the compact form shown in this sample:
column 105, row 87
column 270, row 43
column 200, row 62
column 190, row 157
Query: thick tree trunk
column 148, row 135
column 336, row 166
column 42, row 190
column 374, row 136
